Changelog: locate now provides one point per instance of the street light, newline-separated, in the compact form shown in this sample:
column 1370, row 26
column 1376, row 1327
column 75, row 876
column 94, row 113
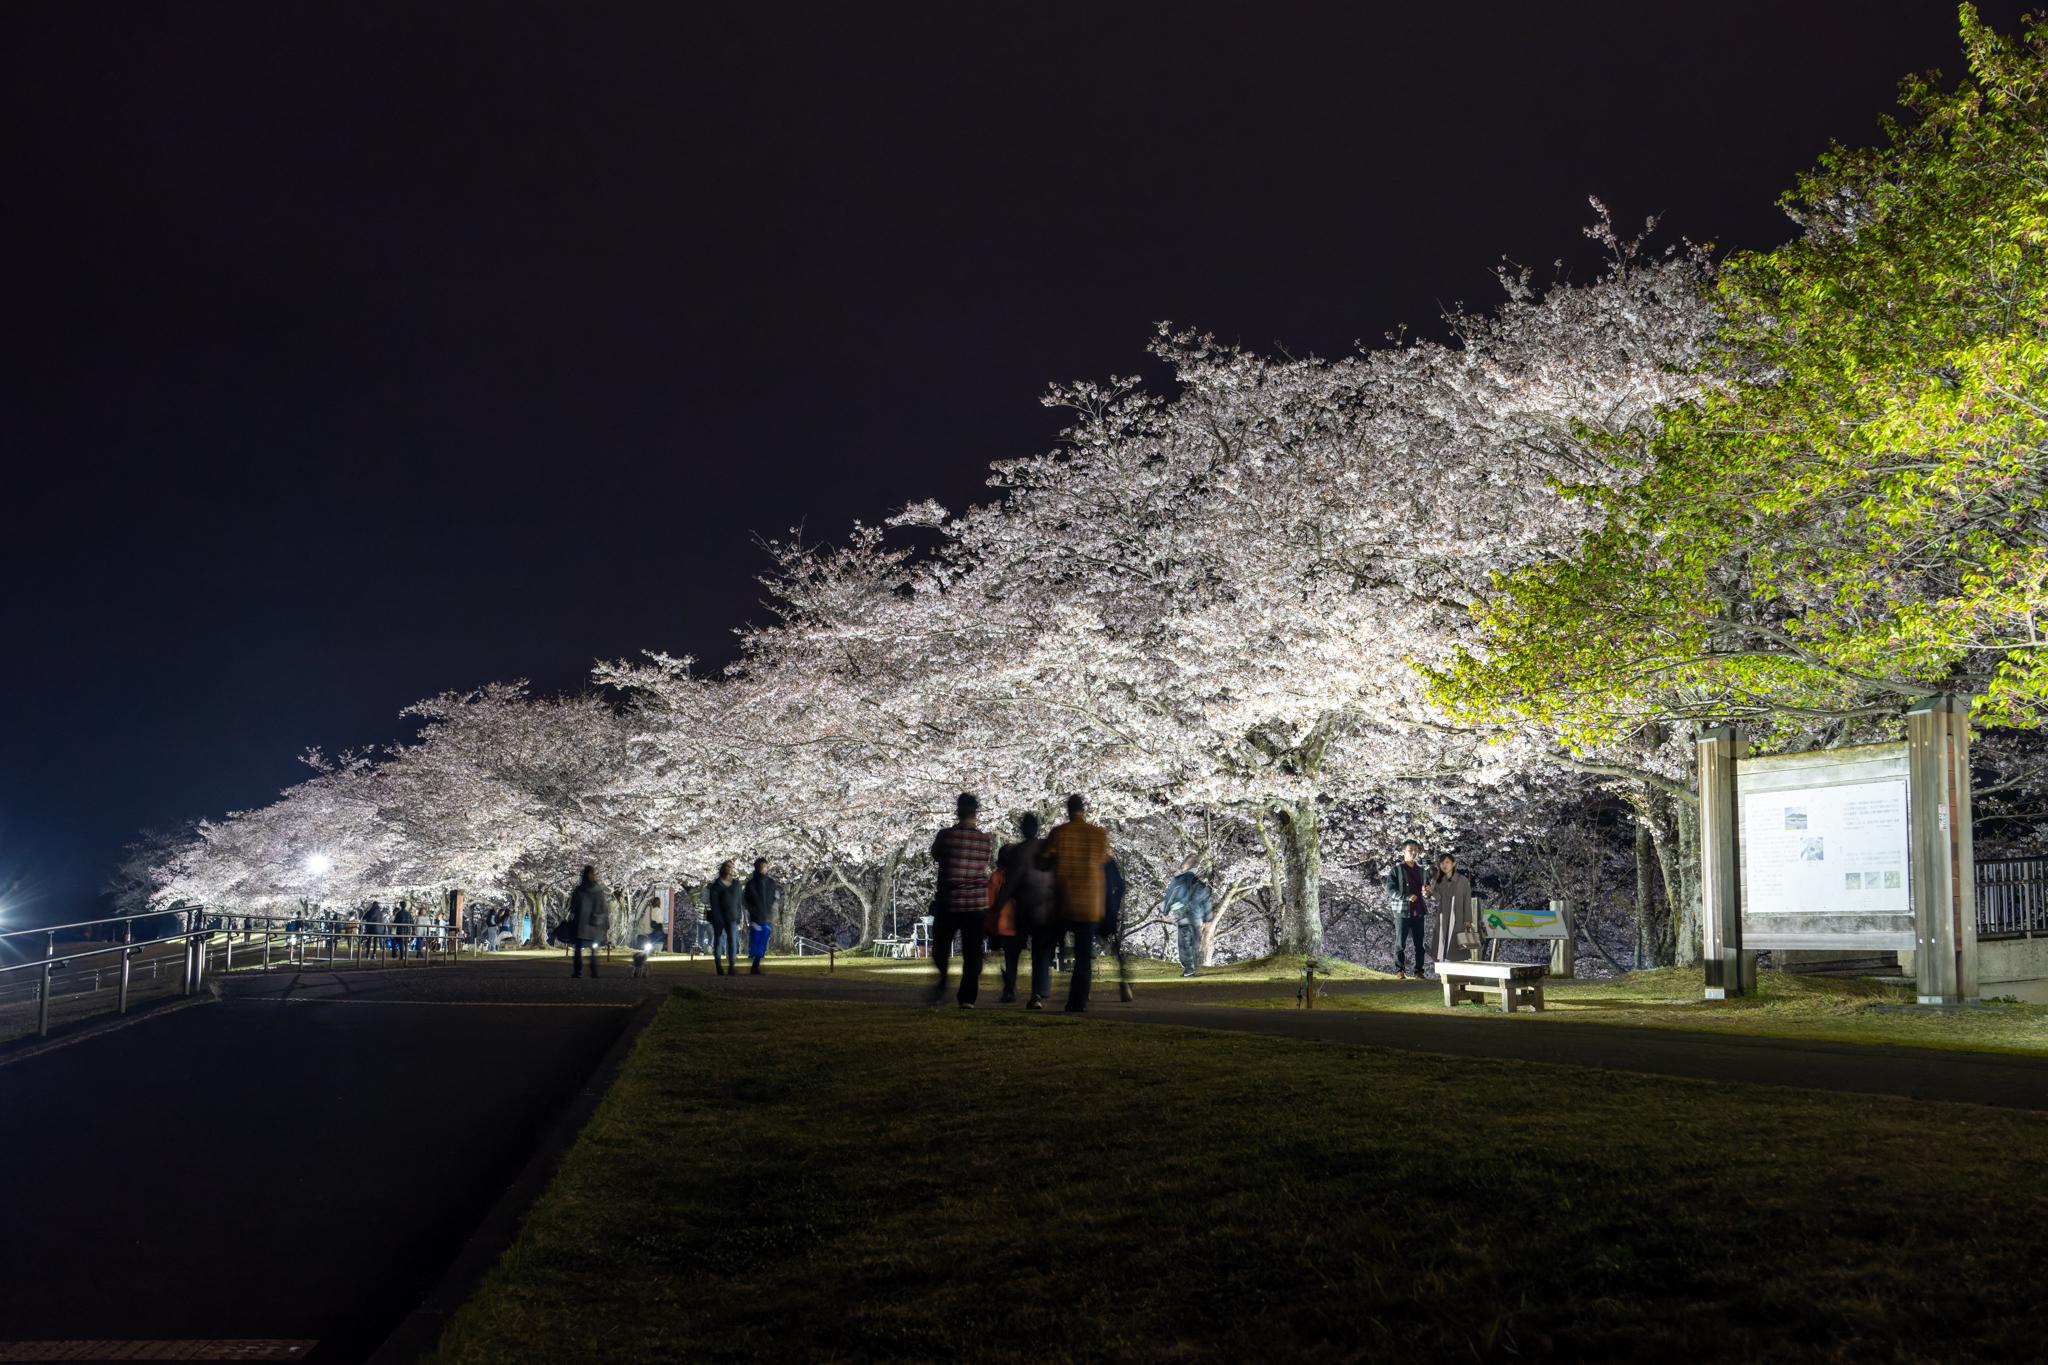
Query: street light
column 319, row 864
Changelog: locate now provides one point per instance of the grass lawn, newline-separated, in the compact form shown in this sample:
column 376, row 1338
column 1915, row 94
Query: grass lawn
column 1785, row 1005
column 808, row 1180
column 1275, row 969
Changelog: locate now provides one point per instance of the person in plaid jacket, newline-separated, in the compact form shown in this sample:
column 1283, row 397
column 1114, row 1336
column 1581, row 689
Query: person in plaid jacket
column 962, row 853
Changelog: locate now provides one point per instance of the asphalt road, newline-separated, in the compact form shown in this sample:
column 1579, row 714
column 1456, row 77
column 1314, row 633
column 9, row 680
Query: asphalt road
column 259, row 1170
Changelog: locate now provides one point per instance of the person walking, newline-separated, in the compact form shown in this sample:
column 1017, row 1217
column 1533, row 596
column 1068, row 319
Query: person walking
column 763, row 898
column 590, row 912
column 961, row 853
column 401, row 931
column 722, row 911
column 1075, row 853
column 1189, row 906
column 1407, row 887
column 1025, row 902
column 1450, row 894
column 373, row 930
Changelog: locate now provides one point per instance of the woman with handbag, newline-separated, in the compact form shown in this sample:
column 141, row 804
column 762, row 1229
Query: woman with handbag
column 1022, row 908
column 1450, row 894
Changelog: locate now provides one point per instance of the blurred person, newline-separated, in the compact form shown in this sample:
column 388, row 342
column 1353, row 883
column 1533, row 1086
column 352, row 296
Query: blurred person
column 1075, row 853
column 1024, row 909
column 373, row 929
column 590, row 914
column 1189, row 906
column 401, row 931
column 961, row 853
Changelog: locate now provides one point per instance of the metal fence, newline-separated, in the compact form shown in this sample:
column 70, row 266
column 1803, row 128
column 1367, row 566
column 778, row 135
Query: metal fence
column 2012, row 897
column 203, row 941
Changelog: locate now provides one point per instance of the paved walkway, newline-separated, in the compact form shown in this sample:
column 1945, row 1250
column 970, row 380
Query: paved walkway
column 259, row 1171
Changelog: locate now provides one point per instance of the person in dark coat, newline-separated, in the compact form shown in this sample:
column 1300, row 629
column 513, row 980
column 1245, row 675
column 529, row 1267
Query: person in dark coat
column 373, row 929
column 722, row 912
column 401, row 931
column 1450, row 892
column 763, row 897
column 1028, row 896
column 1407, row 888
column 961, row 854
column 590, row 912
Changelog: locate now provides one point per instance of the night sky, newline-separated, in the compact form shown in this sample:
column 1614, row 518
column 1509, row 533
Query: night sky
column 355, row 353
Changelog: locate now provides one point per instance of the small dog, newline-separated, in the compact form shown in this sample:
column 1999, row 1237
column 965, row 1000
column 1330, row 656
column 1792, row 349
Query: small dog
column 645, row 949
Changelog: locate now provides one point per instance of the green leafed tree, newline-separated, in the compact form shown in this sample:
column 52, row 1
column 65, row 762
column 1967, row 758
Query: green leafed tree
column 1854, row 510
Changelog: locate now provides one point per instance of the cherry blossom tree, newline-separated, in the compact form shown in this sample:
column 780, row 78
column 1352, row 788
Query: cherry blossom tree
column 1204, row 610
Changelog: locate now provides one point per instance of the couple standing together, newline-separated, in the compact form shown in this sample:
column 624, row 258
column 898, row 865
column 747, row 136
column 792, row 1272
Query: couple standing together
column 727, row 901
column 1041, row 889
column 1415, row 890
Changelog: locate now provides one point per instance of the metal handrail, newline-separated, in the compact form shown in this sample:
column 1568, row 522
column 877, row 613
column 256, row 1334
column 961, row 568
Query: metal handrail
column 297, row 931
column 180, row 912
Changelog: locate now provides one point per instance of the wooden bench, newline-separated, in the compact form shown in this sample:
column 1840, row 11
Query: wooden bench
column 1519, row 983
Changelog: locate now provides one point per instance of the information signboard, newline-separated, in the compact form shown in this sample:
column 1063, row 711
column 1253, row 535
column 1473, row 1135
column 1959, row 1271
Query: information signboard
column 1524, row 924
column 1824, row 841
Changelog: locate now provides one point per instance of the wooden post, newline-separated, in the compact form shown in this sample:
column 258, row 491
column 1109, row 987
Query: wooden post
column 1730, row 971
column 1564, row 952
column 1942, row 870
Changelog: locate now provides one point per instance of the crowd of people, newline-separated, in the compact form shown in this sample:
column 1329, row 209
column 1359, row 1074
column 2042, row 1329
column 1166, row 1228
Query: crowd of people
column 731, row 907
column 1042, row 889
column 1038, row 893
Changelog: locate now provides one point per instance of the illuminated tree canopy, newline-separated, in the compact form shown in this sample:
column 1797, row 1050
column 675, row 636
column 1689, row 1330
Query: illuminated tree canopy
column 1850, row 513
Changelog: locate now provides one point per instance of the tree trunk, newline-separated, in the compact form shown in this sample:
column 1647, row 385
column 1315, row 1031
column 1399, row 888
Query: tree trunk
column 1231, row 897
column 1294, row 847
column 1645, row 856
column 536, row 899
column 1688, row 949
column 684, row 939
column 782, row 925
column 1674, row 829
column 874, row 890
